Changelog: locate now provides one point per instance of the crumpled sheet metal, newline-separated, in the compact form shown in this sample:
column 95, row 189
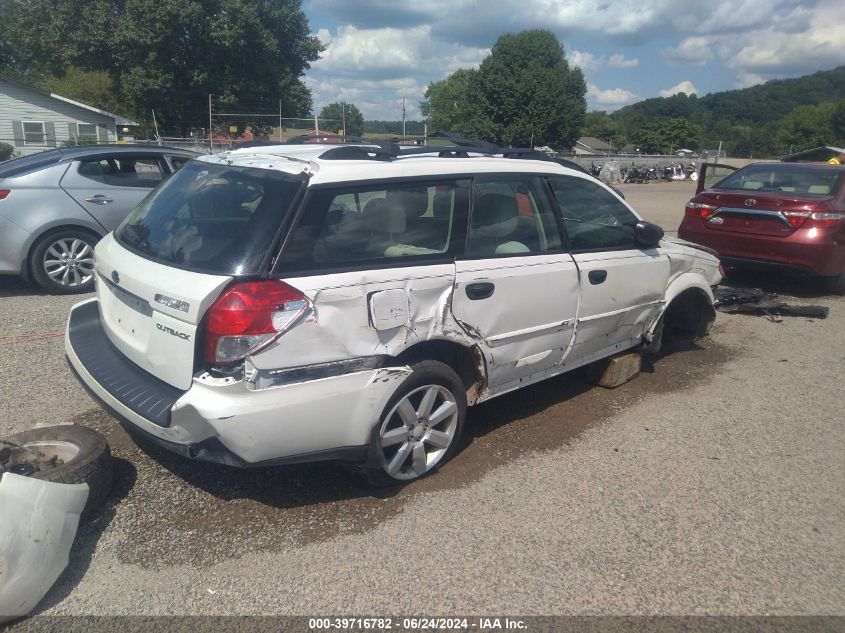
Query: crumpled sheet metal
column 38, row 522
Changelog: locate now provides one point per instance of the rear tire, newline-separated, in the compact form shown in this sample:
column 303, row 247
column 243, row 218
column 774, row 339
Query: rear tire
column 62, row 261
column 84, row 455
column 420, row 428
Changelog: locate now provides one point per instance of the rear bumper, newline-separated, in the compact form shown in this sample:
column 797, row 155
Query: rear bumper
column 813, row 250
column 227, row 421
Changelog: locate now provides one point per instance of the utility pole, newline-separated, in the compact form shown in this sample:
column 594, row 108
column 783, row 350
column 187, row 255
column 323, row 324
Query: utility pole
column 316, row 127
column 210, row 132
column 280, row 118
column 403, row 118
column 155, row 125
column 343, row 117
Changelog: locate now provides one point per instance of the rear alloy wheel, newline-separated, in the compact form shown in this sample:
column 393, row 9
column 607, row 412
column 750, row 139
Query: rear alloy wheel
column 63, row 262
column 421, row 426
column 65, row 454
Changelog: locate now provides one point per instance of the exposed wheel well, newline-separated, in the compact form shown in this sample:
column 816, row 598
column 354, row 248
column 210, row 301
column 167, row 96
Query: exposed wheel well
column 689, row 315
column 460, row 358
column 26, row 271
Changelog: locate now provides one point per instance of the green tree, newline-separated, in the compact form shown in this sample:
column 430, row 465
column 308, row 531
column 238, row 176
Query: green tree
column 599, row 124
column 806, row 127
column 447, row 104
column 337, row 112
column 666, row 134
column 93, row 87
column 168, row 55
column 523, row 92
column 529, row 92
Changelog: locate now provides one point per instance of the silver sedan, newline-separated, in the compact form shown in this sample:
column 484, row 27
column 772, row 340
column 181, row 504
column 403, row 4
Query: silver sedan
column 56, row 205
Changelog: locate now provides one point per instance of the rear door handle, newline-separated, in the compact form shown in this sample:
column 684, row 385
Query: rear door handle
column 480, row 290
column 99, row 199
column 597, row 276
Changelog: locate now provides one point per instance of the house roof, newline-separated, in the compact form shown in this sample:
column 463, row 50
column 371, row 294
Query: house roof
column 592, row 143
column 119, row 120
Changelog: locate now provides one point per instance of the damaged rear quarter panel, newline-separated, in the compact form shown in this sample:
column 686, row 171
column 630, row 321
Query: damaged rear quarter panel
column 341, row 326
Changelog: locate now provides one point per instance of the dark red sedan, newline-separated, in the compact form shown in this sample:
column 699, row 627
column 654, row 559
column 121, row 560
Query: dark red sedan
column 788, row 215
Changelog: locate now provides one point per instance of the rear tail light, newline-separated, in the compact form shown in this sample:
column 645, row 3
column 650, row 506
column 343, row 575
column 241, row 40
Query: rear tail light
column 700, row 210
column 250, row 315
column 4, row 193
column 809, row 218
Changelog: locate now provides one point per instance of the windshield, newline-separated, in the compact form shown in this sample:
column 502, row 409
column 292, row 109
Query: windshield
column 211, row 218
column 790, row 179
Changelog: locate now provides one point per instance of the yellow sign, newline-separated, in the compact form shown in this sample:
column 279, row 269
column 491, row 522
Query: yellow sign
column 233, row 128
column 340, row 132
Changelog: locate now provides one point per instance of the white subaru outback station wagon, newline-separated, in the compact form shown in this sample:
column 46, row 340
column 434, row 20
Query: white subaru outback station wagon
column 284, row 304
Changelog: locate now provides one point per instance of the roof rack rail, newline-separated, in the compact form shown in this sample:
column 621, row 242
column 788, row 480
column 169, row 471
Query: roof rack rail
column 302, row 139
column 379, row 151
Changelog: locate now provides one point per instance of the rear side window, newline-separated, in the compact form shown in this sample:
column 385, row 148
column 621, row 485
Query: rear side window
column 594, row 219
column 212, row 218
column 123, row 171
column 381, row 223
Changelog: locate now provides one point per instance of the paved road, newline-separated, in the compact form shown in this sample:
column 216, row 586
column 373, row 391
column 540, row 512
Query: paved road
column 713, row 484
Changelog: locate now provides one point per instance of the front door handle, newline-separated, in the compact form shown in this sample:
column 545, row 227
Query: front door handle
column 99, row 199
column 597, row 277
column 480, row 290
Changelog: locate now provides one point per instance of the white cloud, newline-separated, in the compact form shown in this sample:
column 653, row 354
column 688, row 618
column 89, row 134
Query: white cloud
column 585, row 61
column 694, row 50
column 687, row 87
column 620, row 61
column 610, row 99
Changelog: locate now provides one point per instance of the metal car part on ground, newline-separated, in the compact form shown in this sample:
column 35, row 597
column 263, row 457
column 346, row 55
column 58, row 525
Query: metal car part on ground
column 38, row 523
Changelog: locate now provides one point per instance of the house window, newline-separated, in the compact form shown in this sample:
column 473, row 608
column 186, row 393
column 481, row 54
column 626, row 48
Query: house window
column 87, row 129
column 33, row 133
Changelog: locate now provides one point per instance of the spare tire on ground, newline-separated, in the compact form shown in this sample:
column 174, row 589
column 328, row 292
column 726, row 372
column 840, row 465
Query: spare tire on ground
column 65, row 454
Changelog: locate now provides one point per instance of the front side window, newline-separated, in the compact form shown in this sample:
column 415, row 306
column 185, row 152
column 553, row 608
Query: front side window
column 212, row 218
column 33, row 133
column 594, row 219
column 381, row 223
column 123, row 171
column 510, row 216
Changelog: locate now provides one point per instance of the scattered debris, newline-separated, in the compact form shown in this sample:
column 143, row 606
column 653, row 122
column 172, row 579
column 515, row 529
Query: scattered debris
column 733, row 300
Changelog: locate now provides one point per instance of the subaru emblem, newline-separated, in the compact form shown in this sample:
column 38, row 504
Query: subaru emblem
column 115, row 277
column 750, row 202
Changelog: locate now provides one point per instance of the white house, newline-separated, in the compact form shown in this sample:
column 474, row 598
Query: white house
column 33, row 120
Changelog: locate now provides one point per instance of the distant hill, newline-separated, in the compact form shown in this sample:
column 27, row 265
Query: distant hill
column 755, row 106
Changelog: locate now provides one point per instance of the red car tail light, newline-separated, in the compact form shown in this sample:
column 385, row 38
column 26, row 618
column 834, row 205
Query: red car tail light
column 248, row 316
column 4, row 193
column 814, row 219
column 827, row 220
column 700, row 210
column 796, row 218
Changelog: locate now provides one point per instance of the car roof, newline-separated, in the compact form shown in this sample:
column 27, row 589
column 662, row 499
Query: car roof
column 51, row 157
column 373, row 164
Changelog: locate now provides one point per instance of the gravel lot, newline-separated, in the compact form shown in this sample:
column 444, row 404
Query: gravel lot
column 712, row 484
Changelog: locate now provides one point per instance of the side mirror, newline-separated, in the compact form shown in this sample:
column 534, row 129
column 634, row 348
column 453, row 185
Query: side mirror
column 648, row 234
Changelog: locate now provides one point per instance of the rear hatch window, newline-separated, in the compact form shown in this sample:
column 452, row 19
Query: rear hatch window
column 217, row 219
